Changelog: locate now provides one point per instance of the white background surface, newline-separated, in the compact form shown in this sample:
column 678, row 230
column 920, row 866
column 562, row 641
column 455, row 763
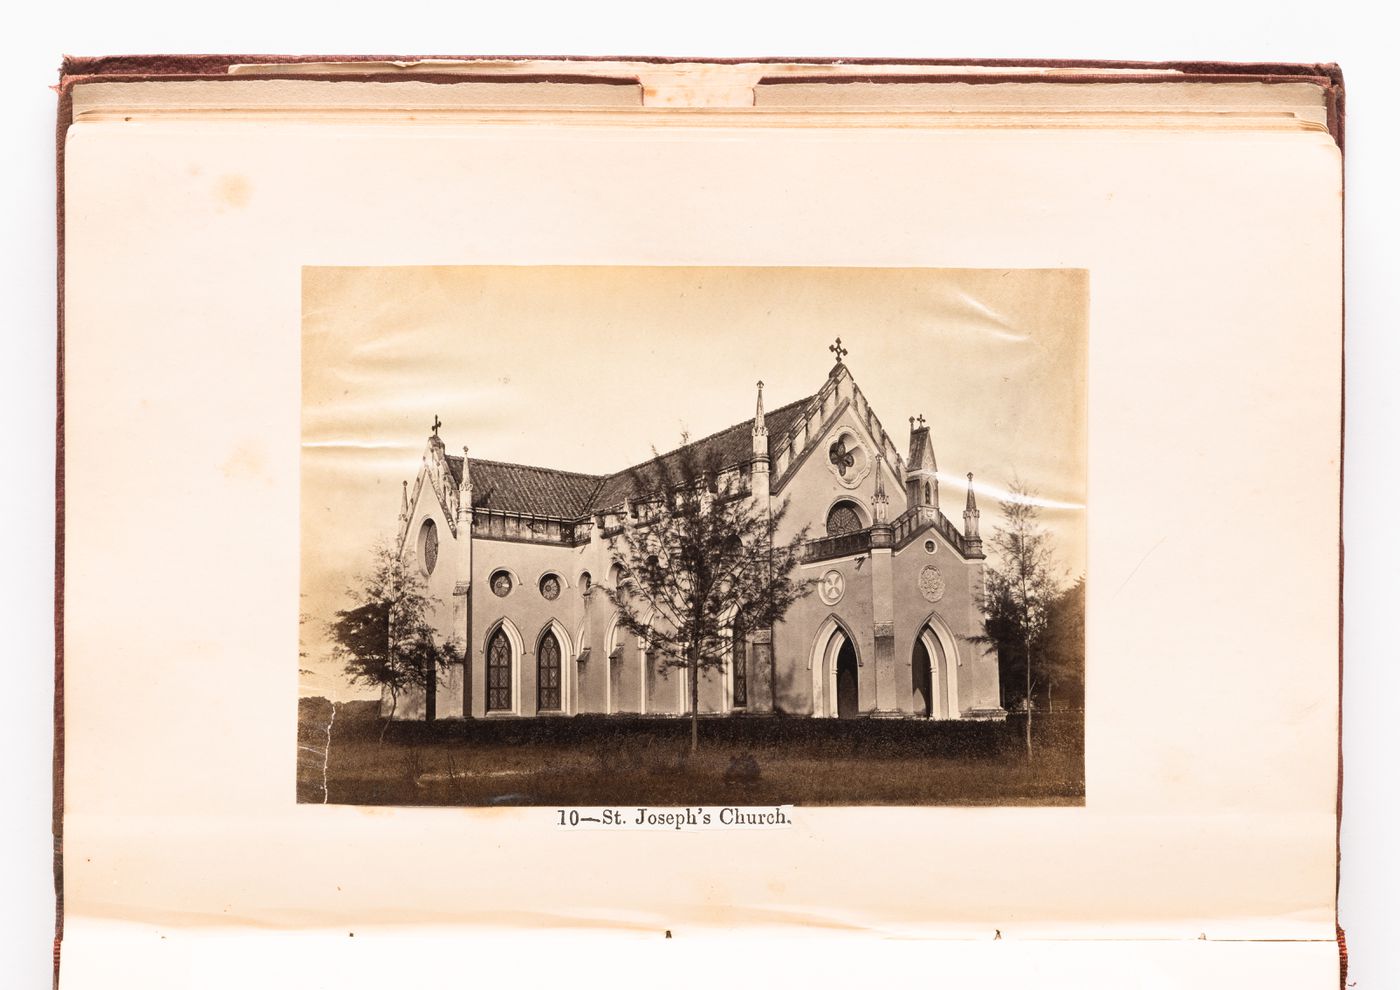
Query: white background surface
column 1347, row 34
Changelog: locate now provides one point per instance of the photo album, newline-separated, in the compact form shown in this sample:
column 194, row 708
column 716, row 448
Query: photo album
column 522, row 502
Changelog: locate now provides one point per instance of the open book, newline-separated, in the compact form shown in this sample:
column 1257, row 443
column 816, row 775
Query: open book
column 489, row 521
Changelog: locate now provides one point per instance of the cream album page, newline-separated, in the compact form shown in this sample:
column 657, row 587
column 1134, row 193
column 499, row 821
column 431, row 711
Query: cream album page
column 375, row 622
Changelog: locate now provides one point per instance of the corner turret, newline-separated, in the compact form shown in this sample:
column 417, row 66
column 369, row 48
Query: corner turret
column 971, row 516
column 881, row 499
column 759, row 480
column 921, row 471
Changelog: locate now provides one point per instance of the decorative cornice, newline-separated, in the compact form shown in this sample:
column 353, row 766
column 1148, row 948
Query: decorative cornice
column 921, row 518
column 800, row 458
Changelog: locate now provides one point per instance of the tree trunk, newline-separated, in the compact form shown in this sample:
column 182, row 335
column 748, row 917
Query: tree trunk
column 389, row 654
column 694, row 700
column 393, row 707
column 430, row 691
column 1030, row 702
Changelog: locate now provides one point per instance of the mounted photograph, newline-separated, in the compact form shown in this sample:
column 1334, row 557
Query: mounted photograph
column 651, row 536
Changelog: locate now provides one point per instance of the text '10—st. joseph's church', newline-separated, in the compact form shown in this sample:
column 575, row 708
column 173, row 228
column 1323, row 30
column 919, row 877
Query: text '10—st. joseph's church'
column 515, row 555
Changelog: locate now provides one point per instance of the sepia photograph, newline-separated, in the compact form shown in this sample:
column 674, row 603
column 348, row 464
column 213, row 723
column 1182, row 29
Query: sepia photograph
column 674, row 536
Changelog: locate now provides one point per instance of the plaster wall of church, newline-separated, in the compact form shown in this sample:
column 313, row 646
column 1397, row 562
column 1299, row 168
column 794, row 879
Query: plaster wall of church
column 711, row 692
column 438, row 589
column 629, row 680
column 667, row 688
column 529, row 613
column 794, row 640
column 957, row 609
column 624, row 669
column 816, row 485
column 604, row 684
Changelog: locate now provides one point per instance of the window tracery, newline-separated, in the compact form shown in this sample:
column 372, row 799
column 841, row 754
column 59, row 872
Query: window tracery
column 842, row 519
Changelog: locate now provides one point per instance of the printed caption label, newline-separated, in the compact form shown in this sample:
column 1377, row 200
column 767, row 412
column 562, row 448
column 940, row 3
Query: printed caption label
column 690, row 819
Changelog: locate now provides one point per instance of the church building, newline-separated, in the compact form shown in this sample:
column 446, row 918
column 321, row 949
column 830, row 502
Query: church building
column 516, row 555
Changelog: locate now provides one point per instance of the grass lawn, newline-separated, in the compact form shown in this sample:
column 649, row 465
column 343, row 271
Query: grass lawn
column 636, row 761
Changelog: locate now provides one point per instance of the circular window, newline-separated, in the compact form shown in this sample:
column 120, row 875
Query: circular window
column 549, row 586
column 428, row 545
column 930, row 546
column 501, row 584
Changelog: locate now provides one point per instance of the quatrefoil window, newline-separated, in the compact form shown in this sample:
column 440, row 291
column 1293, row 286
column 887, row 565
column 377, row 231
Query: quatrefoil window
column 848, row 459
column 841, row 457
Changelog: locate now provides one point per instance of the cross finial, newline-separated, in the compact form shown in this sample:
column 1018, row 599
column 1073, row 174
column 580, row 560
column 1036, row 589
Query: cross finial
column 921, row 420
column 838, row 350
column 436, row 423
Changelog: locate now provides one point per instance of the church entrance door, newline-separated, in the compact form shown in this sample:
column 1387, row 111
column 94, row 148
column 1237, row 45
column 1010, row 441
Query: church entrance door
column 847, row 682
column 923, row 680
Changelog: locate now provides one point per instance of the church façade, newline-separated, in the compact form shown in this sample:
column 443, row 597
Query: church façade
column 515, row 556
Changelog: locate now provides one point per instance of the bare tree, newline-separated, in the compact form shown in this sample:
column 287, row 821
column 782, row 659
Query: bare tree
column 1023, row 588
column 385, row 638
column 699, row 558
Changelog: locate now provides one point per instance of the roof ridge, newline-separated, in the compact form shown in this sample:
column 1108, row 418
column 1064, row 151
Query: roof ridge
column 587, row 491
column 704, row 439
column 529, row 467
column 591, row 502
column 614, row 474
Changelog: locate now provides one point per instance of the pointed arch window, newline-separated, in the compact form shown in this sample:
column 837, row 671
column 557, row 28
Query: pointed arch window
column 740, row 662
column 549, row 667
column 498, row 686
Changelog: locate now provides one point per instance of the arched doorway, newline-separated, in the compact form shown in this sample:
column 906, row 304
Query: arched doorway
column 935, row 652
column 835, row 664
column 847, row 681
column 923, row 680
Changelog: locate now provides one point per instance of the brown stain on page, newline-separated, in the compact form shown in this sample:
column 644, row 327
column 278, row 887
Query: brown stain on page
column 233, row 190
column 247, row 463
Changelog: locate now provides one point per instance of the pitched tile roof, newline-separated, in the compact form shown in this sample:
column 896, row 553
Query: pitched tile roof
column 545, row 491
column 729, row 447
column 530, row 490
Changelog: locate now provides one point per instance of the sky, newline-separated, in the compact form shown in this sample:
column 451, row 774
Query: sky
column 590, row 368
